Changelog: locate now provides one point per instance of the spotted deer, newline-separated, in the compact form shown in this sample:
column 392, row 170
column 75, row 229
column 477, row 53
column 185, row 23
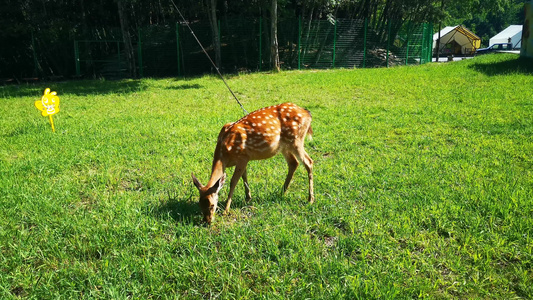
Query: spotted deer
column 259, row 135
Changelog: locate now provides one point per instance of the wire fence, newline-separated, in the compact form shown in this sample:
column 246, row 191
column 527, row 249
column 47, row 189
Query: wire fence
column 171, row 50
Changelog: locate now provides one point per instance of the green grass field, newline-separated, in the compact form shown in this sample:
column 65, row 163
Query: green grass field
column 423, row 182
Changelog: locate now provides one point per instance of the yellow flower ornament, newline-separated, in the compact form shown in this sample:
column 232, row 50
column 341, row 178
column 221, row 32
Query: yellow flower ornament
column 48, row 105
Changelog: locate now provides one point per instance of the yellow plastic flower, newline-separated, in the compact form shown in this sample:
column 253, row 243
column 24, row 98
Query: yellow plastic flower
column 49, row 103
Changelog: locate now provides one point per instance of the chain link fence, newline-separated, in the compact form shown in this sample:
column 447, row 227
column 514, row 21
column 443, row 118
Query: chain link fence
column 171, row 50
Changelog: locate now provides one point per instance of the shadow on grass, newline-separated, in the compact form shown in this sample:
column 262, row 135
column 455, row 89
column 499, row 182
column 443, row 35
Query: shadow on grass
column 183, row 210
column 259, row 198
column 95, row 87
column 184, row 87
column 88, row 87
column 74, row 87
column 519, row 65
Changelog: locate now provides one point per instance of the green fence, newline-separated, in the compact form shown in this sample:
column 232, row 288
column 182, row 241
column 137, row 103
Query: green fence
column 245, row 46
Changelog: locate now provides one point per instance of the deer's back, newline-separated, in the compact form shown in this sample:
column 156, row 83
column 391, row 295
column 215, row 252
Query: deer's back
column 263, row 133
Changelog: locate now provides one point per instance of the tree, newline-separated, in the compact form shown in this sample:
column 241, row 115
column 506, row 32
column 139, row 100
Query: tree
column 213, row 21
column 490, row 17
column 40, row 33
column 128, row 47
column 274, row 54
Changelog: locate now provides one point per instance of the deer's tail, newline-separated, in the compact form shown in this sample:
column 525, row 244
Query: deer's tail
column 310, row 133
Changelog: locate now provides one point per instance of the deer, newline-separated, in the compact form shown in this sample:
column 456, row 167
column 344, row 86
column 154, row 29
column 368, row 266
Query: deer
column 259, row 135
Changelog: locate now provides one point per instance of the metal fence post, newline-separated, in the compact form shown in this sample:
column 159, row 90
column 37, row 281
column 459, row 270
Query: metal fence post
column 178, row 48
column 118, row 60
column 430, row 42
column 407, row 44
column 77, row 58
column 35, row 61
column 300, row 42
column 334, row 41
column 364, row 43
column 388, row 42
column 140, row 53
column 260, row 43
column 423, row 54
column 219, row 44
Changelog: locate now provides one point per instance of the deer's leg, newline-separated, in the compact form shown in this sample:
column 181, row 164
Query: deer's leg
column 292, row 162
column 246, row 187
column 308, row 163
column 240, row 168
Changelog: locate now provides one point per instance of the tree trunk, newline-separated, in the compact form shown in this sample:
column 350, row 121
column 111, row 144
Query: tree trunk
column 274, row 35
column 212, row 12
column 128, row 47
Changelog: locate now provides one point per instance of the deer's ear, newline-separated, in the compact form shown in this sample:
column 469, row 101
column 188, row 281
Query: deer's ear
column 196, row 182
column 221, row 181
column 218, row 185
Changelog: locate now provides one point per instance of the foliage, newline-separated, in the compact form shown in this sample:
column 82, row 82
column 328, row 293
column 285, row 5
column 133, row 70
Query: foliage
column 486, row 18
column 61, row 21
column 423, row 181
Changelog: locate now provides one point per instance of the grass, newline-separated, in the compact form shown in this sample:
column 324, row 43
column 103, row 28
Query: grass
column 423, row 181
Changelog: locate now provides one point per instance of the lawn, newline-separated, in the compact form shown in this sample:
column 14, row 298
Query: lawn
column 423, row 186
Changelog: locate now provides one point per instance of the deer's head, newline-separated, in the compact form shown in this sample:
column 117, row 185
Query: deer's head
column 209, row 197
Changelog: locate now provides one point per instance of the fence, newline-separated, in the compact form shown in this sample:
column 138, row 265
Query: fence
column 36, row 54
column 352, row 43
column 170, row 50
